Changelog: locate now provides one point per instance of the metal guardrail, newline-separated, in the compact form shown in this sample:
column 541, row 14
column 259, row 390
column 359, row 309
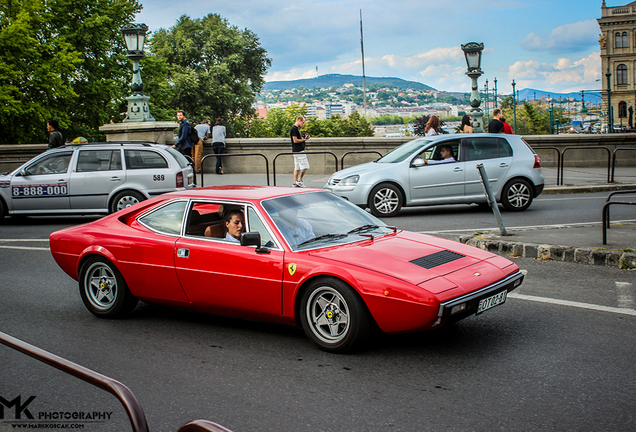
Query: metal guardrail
column 121, row 392
column 237, row 154
column 558, row 170
column 292, row 153
column 356, row 152
column 609, row 161
column 606, row 213
column 614, row 159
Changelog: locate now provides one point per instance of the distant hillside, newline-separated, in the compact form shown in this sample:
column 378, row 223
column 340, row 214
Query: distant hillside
column 330, row 80
column 532, row 94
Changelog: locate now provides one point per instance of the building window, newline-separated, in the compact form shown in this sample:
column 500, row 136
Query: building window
column 618, row 41
column 622, row 109
column 625, row 44
column 621, row 74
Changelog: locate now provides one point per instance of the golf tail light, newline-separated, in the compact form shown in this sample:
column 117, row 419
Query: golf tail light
column 179, row 179
column 537, row 162
column 458, row 308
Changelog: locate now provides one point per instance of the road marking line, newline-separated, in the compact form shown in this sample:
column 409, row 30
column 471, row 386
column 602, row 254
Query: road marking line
column 24, row 240
column 574, row 304
column 23, row 248
column 570, row 225
column 625, row 295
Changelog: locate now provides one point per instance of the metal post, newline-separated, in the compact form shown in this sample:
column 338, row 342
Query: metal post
column 610, row 120
column 486, row 103
column 514, row 106
column 495, row 92
column 491, row 198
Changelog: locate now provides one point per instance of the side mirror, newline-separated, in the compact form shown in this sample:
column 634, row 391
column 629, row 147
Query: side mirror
column 417, row 162
column 253, row 239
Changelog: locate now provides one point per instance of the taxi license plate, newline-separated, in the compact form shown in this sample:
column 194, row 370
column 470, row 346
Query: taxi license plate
column 491, row 302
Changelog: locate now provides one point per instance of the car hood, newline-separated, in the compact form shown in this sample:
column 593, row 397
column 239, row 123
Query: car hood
column 418, row 258
column 361, row 169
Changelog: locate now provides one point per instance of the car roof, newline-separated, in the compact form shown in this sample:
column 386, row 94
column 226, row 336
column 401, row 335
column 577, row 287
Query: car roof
column 239, row 192
column 110, row 144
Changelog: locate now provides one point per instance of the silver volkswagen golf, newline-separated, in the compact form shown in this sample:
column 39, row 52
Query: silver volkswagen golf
column 416, row 174
column 96, row 178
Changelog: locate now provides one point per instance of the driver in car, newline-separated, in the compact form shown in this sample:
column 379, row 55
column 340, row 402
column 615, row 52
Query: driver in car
column 447, row 156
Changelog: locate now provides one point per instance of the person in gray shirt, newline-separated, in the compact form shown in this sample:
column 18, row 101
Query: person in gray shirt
column 218, row 143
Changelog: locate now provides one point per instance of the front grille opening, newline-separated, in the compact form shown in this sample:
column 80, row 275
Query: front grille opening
column 436, row 259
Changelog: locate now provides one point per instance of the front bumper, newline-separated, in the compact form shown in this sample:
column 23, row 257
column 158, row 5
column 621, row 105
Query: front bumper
column 471, row 301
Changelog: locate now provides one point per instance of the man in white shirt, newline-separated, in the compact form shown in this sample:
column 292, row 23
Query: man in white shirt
column 447, row 156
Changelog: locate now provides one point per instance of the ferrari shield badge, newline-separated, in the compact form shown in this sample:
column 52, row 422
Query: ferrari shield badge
column 292, row 269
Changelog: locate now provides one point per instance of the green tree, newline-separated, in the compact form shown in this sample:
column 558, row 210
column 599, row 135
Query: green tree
column 61, row 59
column 213, row 69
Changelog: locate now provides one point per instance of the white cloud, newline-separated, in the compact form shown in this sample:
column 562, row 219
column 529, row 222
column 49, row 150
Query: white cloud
column 575, row 37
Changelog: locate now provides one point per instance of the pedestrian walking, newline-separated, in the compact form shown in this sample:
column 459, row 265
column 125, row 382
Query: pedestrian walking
column 203, row 130
column 184, row 143
column 432, row 126
column 218, row 143
column 301, row 164
column 507, row 127
column 55, row 136
column 496, row 125
column 466, row 127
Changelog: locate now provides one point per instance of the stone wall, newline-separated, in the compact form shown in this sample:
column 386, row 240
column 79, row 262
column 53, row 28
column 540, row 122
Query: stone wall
column 325, row 163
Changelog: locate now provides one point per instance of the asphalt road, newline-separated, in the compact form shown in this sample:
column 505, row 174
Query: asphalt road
column 557, row 356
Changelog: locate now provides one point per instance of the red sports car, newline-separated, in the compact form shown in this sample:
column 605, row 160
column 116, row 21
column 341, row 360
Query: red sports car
column 289, row 255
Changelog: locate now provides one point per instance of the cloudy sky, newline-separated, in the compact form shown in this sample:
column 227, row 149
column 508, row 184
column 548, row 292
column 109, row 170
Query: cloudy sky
column 541, row 44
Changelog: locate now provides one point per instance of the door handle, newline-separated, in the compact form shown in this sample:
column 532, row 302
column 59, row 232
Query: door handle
column 458, row 169
column 115, row 178
column 503, row 165
column 183, row 253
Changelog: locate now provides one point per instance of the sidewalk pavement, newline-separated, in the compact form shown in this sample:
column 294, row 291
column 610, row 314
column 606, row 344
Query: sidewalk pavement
column 580, row 243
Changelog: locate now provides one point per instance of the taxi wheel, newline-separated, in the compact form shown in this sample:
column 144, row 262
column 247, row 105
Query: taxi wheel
column 3, row 209
column 103, row 289
column 385, row 200
column 516, row 195
column 125, row 199
column 333, row 316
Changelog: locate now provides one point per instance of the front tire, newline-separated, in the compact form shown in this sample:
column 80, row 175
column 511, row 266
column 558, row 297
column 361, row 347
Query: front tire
column 385, row 200
column 125, row 199
column 516, row 195
column 333, row 316
column 104, row 290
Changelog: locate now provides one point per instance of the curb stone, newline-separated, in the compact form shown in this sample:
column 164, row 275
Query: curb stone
column 609, row 258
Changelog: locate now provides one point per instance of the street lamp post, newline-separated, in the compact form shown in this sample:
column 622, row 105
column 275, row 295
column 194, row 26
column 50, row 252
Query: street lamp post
column 551, row 110
column 514, row 106
column 487, row 100
column 495, row 92
column 472, row 52
column 138, row 110
column 610, row 120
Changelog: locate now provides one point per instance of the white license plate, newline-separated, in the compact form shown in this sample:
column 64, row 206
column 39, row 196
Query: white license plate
column 491, row 302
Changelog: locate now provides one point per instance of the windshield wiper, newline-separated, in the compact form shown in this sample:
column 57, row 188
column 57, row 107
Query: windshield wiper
column 363, row 228
column 323, row 237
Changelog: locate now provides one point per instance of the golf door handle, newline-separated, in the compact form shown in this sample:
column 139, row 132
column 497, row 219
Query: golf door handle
column 115, row 178
column 458, row 169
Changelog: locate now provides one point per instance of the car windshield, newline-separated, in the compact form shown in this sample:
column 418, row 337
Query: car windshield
column 404, row 151
column 321, row 219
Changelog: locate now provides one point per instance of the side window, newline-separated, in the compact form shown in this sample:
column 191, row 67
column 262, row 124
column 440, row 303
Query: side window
column 144, row 159
column 256, row 224
column 485, row 148
column 56, row 163
column 206, row 220
column 168, row 219
column 98, row 160
column 434, row 152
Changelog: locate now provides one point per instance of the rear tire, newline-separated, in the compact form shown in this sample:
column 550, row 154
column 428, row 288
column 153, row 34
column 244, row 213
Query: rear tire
column 333, row 316
column 516, row 195
column 385, row 200
column 125, row 199
column 104, row 290
column 3, row 209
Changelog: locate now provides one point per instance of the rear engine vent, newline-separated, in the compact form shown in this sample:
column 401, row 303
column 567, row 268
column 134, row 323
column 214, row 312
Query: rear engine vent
column 437, row 259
